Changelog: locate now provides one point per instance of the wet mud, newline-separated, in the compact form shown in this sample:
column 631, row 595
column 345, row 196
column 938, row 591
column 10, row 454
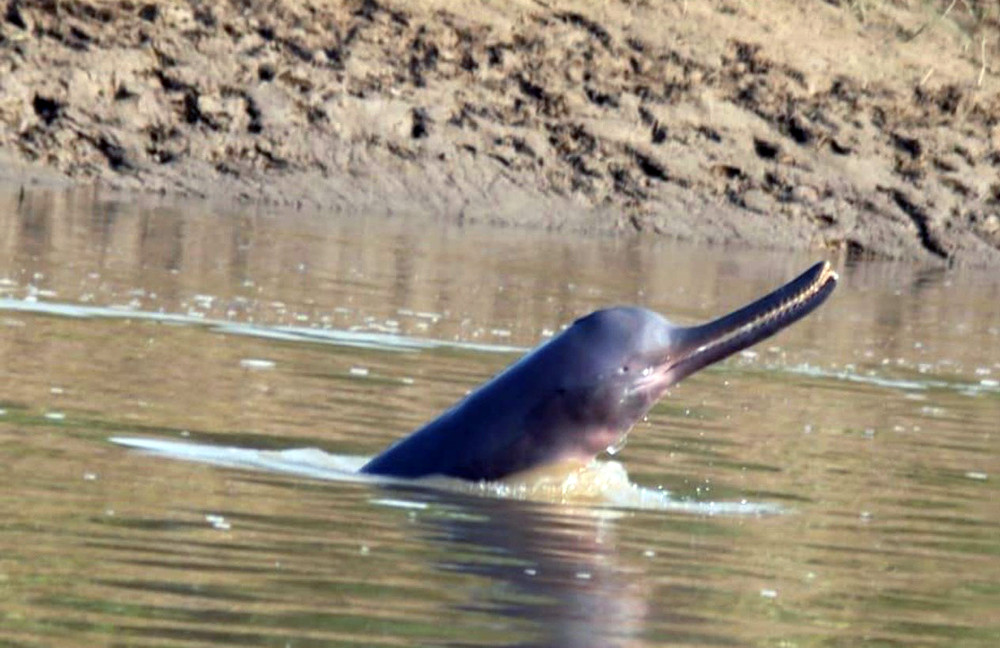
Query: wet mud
column 785, row 124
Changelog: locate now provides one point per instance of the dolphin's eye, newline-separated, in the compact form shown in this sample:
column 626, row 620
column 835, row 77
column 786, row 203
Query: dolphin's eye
column 623, row 369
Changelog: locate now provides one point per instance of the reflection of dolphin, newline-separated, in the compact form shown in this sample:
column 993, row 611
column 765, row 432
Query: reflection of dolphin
column 559, row 576
column 550, row 576
column 581, row 392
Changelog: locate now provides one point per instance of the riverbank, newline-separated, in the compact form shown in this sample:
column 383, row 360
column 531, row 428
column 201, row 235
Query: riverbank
column 785, row 124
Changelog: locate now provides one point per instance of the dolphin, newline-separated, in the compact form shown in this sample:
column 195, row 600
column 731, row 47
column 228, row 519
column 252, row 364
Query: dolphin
column 579, row 393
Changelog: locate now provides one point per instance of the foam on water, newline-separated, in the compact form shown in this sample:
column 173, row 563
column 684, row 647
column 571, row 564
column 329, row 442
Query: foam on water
column 597, row 484
column 901, row 384
column 338, row 337
column 381, row 341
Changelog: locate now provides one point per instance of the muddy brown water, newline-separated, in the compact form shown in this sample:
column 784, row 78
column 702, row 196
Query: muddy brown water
column 835, row 486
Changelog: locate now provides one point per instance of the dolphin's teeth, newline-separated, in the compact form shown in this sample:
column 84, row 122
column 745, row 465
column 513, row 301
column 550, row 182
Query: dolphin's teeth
column 778, row 312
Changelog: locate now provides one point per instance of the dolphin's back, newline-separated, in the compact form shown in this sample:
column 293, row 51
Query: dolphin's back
column 484, row 436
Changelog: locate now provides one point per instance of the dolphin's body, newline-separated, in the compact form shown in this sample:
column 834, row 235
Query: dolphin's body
column 582, row 391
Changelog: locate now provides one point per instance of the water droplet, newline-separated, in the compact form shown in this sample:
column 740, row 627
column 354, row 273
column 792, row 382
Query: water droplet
column 255, row 363
column 618, row 445
column 218, row 522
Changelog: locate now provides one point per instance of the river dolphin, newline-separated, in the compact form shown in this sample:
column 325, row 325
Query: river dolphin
column 580, row 392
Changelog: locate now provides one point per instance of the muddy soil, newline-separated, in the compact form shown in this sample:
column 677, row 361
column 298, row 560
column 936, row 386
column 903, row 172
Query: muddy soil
column 867, row 127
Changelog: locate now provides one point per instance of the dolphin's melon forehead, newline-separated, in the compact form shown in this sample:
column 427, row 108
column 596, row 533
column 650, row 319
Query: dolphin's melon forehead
column 623, row 319
column 637, row 327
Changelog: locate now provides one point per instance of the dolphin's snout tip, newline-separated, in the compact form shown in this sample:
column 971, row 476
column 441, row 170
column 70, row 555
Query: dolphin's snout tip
column 827, row 273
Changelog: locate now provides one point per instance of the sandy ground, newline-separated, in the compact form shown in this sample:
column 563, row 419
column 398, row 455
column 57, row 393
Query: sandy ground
column 870, row 127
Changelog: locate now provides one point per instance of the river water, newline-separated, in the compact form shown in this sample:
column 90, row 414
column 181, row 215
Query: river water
column 834, row 486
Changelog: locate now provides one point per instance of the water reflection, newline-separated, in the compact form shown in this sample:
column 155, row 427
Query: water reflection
column 557, row 575
column 480, row 283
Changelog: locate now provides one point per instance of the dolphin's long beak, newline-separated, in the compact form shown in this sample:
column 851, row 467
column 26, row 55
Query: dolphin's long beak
column 693, row 348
